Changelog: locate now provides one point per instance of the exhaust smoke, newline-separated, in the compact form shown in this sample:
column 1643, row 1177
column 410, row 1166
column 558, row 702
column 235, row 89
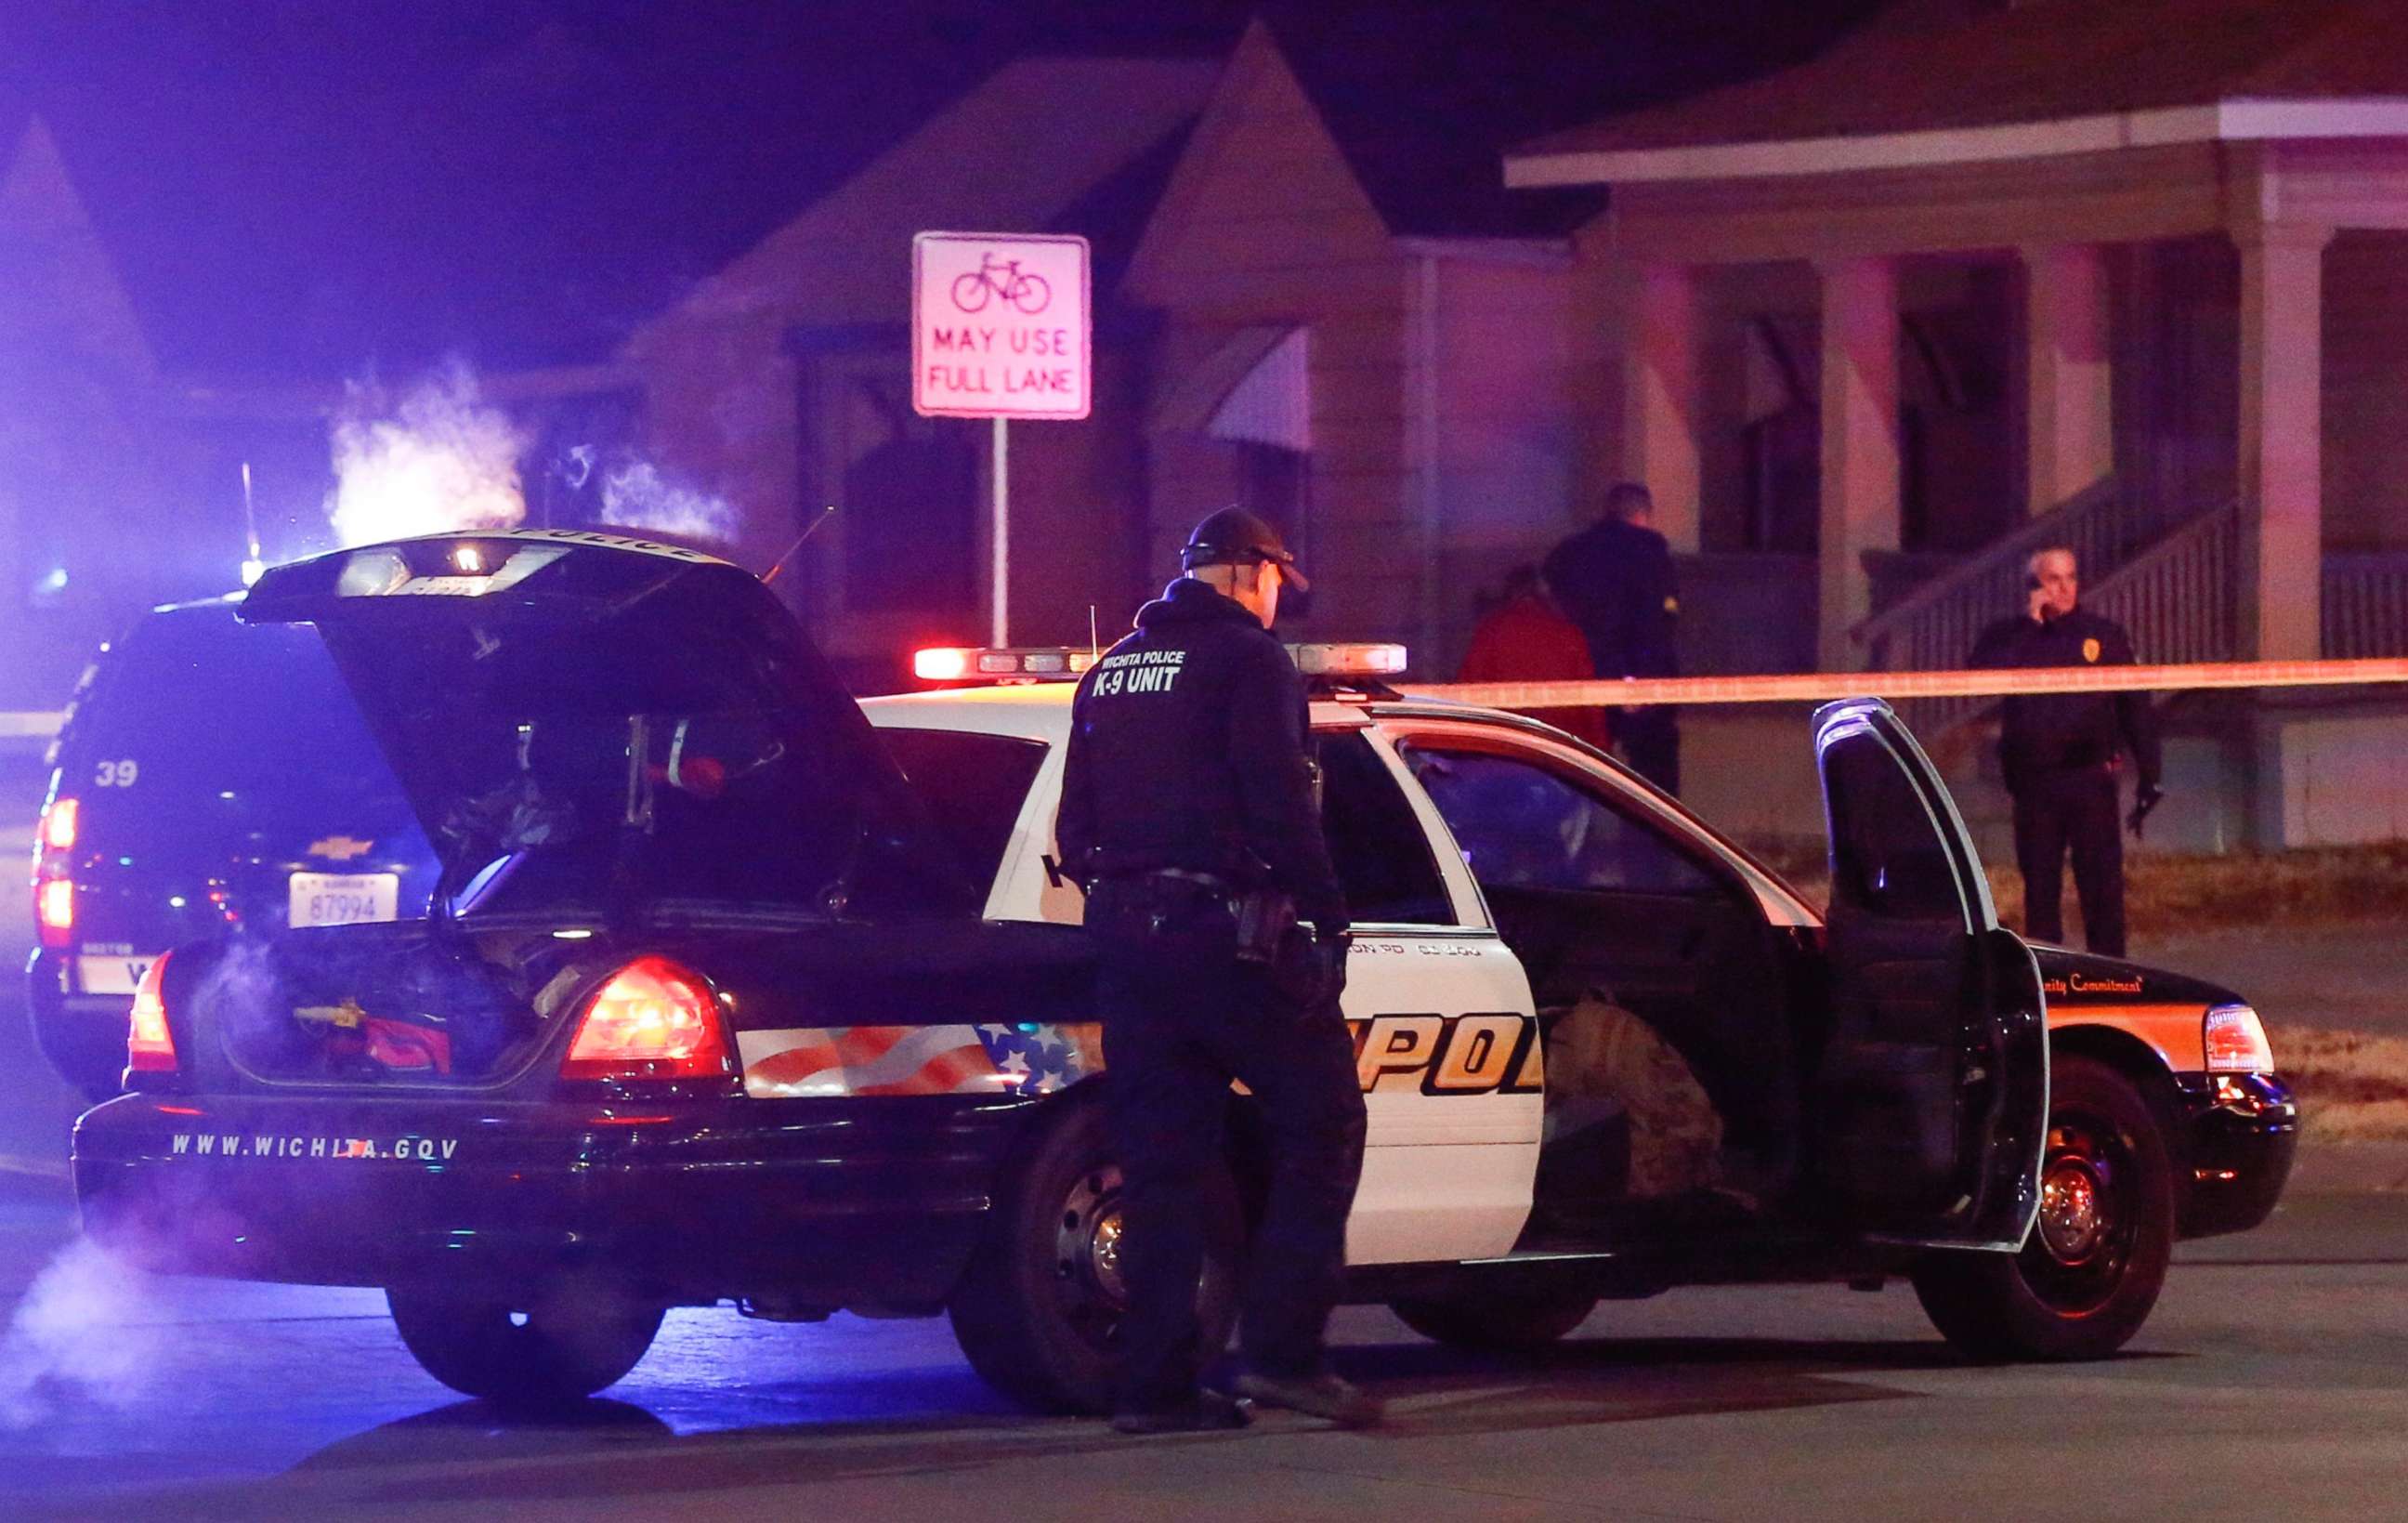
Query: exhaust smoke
column 636, row 495
column 438, row 460
column 77, row 1335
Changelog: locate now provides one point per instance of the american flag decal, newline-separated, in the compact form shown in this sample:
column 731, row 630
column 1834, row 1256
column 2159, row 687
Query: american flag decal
column 1032, row 1058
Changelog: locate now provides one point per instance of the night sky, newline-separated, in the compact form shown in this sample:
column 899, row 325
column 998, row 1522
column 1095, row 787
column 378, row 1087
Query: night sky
column 306, row 187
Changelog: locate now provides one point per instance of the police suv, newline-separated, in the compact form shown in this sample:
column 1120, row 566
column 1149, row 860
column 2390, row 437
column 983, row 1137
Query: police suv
column 724, row 994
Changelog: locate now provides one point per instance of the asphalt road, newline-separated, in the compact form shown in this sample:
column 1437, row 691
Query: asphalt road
column 2268, row 1382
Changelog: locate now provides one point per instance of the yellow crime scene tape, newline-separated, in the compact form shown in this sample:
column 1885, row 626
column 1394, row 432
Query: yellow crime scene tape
column 1824, row 686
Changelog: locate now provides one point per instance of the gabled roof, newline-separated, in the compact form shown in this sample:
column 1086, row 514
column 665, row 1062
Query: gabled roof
column 1425, row 148
column 59, row 292
column 1042, row 143
column 2099, row 73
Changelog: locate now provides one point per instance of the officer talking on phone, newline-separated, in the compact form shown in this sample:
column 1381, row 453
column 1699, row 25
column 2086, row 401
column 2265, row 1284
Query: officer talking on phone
column 2062, row 752
column 1189, row 813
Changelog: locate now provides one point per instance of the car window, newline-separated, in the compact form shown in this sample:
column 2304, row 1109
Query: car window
column 197, row 701
column 973, row 785
column 1523, row 824
column 1382, row 854
column 1888, row 855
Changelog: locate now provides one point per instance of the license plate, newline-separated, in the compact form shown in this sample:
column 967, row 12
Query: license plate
column 110, row 975
column 344, row 899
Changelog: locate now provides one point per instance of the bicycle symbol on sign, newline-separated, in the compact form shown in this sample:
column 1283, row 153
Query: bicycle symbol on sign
column 1001, row 277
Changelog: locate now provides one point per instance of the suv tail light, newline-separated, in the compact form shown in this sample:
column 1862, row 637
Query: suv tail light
column 653, row 1020
column 54, row 840
column 150, row 1046
column 2236, row 1041
column 59, row 824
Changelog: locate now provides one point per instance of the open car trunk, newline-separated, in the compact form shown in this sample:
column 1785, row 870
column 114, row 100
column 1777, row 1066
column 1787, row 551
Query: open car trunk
column 592, row 733
column 363, row 1005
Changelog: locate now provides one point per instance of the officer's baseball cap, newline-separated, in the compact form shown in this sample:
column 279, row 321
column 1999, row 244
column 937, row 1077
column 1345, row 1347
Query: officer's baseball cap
column 1234, row 537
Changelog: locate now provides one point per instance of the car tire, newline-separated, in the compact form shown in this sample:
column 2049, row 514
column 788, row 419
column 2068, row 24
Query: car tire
column 1038, row 1312
column 543, row 1350
column 1495, row 1324
column 2089, row 1274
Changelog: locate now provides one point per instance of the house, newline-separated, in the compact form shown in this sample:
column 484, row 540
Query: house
column 1362, row 338
column 2126, row 275
column 76, row 373
column 782, row 381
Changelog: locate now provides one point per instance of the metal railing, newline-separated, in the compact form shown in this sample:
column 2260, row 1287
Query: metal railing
column 2366, row 604
column 2176, row 599
column 1933, row 627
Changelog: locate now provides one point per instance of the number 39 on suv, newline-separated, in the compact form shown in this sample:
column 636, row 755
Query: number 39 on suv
column 721, row 992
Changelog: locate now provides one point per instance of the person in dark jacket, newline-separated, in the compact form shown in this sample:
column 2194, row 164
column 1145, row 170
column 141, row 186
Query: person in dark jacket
column 2061, row 753
column 1615, row 580
column 1189, row 813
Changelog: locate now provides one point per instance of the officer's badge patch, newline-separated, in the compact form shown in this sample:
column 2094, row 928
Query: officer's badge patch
column 2091, row 650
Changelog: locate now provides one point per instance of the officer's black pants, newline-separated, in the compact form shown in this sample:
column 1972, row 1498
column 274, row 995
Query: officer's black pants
column 2077, row 811
column 1651, row 742
column 1181, row 1017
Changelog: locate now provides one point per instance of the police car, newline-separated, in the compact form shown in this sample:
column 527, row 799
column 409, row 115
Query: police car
column 185, row 798
column 724, row 996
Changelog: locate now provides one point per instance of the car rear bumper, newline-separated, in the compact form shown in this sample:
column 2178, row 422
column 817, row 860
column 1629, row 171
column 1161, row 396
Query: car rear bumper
column 873, row 1204
column 2242, row 1131
column 82, row 1035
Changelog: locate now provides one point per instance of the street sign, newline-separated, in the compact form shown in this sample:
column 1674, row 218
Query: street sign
column 1000, row 326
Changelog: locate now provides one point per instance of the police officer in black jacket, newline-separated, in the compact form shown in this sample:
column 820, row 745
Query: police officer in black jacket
column 1189, row 814
column 1615, row 580
column 2061, row 753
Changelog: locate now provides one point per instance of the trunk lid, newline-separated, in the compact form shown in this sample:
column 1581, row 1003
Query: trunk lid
column 590, row 725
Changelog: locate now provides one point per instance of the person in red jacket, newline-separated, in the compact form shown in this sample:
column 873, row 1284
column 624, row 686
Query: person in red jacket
column 1525, row 637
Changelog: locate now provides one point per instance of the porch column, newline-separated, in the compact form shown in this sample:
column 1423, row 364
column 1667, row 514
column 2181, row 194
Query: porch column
column 2282, row 441
column 2069, row 409
column 1860, row 444
column 1659, row 428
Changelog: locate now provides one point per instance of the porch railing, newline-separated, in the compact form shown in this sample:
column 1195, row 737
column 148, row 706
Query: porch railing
column 1933, row 627
column 2365, row 605
column 2176, row 599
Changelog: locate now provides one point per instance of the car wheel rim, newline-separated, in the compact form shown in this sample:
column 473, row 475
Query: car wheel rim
column 1087, row 1266
column 2088, row 1223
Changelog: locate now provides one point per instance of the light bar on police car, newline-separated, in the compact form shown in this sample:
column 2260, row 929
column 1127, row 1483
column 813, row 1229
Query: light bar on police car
column 962, row 664
column 1360, row 659
column 956, row 664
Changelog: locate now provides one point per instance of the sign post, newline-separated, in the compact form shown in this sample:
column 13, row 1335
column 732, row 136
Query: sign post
column 1002, row 327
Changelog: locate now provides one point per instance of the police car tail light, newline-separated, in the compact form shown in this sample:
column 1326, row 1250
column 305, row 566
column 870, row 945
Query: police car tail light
column 54, row 907
column 653, row 1020
column 53, row 888
column 149, row 1048
column 59, row 818
column 2236, row 1041
column 1349, row 660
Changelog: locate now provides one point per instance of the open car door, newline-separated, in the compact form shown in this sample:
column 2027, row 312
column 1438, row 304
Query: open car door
column 1933, row 1086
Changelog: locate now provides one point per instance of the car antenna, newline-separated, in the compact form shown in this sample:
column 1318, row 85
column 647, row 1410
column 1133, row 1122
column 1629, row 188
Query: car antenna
column 826, row 514
column 1094, row 650
column 249, row 528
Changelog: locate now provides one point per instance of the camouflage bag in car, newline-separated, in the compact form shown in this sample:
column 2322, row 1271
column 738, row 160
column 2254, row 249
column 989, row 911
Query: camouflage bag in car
column 1601, row 1055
